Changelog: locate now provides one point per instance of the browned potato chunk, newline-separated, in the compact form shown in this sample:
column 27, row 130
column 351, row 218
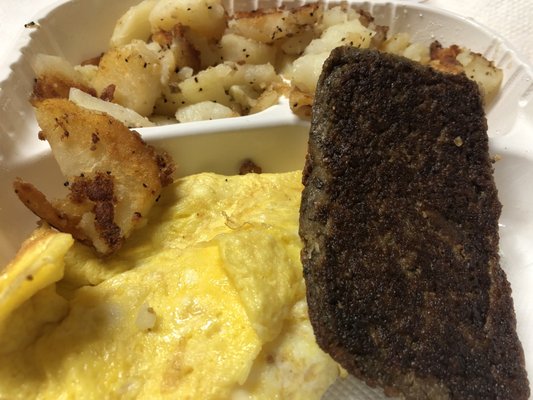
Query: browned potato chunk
column 262, row 26
column 114, row 177
column 204, row 111
column 204, row 17
column 135, row 71
column 267, row 26
column 176, row 42
column 301, row 103
column 55, row 77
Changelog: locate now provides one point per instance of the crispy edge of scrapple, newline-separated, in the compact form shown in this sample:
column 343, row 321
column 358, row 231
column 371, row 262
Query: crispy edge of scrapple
column 398, row 183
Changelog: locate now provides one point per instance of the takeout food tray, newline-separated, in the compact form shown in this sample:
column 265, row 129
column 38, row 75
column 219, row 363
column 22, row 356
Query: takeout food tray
column 275, row 138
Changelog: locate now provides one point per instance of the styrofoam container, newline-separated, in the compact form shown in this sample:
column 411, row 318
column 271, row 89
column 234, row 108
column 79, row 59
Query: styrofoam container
column 274, row 138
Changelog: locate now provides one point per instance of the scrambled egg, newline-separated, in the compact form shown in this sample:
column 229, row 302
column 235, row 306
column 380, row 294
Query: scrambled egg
column 207, row 301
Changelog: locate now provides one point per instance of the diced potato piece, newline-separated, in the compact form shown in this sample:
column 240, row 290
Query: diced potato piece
column 306, row 71
column 128, row 117
column 417, row 52
column 184, row 73
column 267, row 26
column 397, row 43
column 55, row 77
column 251, row 101
column 45, row 64
column 301, row 102
column 209, row 85
column 244, row 96
column 88, row 72
column 167, row 59
column 263, row 26
column 134, row 24
column 307, row 14
column 206, row 17
column 135, row 71
column 239, row 49
column 205, row 110
column 351, row 33
column 214, row 84
column 267, row 99
column 206, row 49
column 381, row 35
column 337, row 15
column 259, row 77
column 487, row 76
column 185, row 53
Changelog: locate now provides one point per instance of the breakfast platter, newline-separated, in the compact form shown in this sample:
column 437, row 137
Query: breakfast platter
column 274, row 138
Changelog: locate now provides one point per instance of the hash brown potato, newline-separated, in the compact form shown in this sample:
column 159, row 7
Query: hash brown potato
column 159, row 47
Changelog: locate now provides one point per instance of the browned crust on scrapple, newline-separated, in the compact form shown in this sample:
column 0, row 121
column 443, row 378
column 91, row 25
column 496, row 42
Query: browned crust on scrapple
column 399, row 220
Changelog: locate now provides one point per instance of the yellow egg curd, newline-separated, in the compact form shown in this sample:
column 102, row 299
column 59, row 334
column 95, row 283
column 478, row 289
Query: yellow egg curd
column 206, row 301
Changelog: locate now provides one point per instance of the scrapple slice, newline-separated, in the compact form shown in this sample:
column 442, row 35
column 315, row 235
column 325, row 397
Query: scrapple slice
column 399, row 220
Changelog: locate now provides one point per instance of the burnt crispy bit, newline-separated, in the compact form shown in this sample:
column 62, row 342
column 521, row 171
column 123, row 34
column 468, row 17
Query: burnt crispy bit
column 166, row 168
column 400, row 232
column 108, row 93
column 269, row 25
column 248, row 166
column 99, row 192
